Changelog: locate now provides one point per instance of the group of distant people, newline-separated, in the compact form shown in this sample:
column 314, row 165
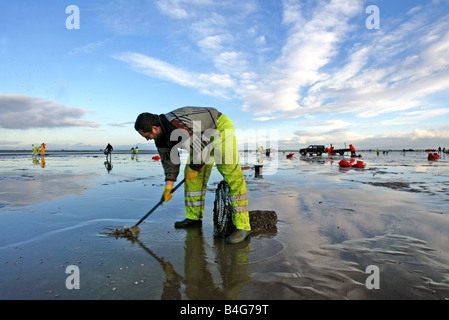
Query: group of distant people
column 108, row 150
column 39, row 149
column 36, row 149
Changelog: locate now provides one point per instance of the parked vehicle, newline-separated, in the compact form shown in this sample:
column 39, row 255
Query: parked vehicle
column 313, row 149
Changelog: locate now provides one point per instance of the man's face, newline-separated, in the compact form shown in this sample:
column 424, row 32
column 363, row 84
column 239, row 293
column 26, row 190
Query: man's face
column 155, row 133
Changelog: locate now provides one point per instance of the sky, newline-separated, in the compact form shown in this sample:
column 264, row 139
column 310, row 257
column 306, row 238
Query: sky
column 76, row 74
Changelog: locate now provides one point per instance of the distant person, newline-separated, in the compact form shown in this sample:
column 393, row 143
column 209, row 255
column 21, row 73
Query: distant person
column 259, row 155
column 108, row 149
column 137, row 150
column 352, row 150
column 43, row 147
column 181, row 122
column 330, row 150
column 267, row 152
column 35, row 150
column 132, row 150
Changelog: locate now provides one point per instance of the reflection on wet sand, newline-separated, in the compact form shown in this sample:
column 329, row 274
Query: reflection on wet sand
column 25, row 185
column 199, row 280
column 108, row 163
column 332, row 225
column 231, row 262
column 39, row 161
column 337, row 233
column 26, row 189
column 173, row 280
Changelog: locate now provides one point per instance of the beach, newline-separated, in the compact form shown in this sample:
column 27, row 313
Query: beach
column 335, row 225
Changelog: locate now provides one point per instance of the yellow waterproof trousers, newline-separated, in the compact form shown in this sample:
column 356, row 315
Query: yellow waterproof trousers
column 228, row 164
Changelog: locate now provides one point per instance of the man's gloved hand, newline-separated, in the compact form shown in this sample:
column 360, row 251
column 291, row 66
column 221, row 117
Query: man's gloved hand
column 167, row 195
column 190, row 174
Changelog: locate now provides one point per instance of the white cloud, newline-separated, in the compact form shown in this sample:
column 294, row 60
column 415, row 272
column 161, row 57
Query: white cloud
column 172, row 9
column 88, row 48
column 214, row 84
column 327, row 124
column 121, row 125
column 180, row 9
column 214, row 43
column 327, row 63
column 390, row 73
column 209, row 25
column 156, row 68
column 22, row 112
column 311, row 44
column 337, row 137
column 416, row 138
column 128, row 17
column 233, row 63
column 403, row 139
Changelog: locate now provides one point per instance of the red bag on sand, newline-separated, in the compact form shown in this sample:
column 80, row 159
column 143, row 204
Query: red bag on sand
column 353, row 164
column 359, row 164
column 343, row 163
column 157, row 158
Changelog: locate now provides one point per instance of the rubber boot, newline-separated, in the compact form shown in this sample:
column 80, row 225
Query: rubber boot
column 187, row 223
column 237, row 236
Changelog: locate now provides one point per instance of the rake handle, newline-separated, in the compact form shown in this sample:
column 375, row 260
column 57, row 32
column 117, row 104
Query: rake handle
column 159, row 203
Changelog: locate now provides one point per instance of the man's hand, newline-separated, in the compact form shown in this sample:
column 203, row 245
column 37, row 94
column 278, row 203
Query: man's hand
column 190, row 174
column 167, row 195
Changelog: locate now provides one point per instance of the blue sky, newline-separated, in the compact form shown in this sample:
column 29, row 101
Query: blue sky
column 311, row 71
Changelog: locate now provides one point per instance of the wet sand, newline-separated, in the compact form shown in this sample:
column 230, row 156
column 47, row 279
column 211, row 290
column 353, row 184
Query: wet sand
column 333, row 224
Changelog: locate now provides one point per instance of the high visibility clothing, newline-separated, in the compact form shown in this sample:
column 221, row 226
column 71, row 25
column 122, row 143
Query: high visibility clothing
column 211, row 139
column 190, row 174
column 227, row 160
column 43, row 147
column 36, row 150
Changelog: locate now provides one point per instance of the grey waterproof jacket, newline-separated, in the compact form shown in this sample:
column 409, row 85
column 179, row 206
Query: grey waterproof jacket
column 191, row 123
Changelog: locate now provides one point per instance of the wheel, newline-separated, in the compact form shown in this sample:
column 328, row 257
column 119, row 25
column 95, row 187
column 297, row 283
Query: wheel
column 223, row 225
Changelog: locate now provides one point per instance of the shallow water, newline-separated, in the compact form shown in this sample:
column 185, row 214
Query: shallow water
column 333, row 224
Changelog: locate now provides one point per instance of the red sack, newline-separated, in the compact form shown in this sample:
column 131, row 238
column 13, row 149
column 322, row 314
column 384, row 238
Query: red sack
column 343, row 163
